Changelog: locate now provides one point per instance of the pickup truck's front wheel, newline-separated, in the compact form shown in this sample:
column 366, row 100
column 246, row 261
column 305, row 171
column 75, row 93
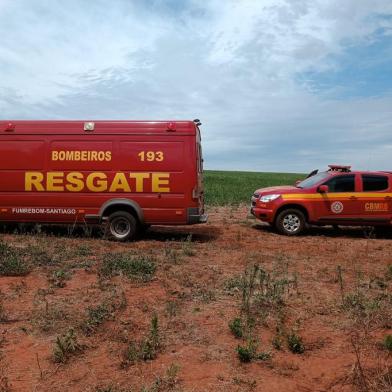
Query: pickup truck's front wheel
column 290, row 222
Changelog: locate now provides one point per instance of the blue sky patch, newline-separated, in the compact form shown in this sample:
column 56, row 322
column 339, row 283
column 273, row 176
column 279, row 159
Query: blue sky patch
column 364, row 70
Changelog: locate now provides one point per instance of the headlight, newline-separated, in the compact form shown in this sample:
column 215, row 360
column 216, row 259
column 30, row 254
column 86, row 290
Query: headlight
column 268, row 198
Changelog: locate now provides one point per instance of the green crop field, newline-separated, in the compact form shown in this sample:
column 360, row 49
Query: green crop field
column 234, row 187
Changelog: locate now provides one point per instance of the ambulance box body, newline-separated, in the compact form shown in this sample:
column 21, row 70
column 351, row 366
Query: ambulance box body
column 129, row 174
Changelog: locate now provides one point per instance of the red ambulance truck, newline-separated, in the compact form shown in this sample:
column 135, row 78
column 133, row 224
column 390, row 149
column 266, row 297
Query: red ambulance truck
column 125, row 174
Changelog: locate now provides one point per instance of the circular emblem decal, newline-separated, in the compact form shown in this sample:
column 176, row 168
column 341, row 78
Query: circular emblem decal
column 337, row 207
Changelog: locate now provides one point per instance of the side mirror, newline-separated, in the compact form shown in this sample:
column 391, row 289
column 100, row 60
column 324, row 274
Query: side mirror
column 323, row 189
column 297, row 182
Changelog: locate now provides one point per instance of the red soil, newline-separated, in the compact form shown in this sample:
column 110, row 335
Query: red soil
column 194, row 307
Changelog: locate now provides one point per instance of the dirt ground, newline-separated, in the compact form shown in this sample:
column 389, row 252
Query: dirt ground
column 336, row 299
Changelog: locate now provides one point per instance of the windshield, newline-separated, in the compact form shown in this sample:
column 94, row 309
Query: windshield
column 311, row 181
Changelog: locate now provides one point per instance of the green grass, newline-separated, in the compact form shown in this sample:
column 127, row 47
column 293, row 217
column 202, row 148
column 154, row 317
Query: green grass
column 11, row 261
column 234, row 187
column 136, row 267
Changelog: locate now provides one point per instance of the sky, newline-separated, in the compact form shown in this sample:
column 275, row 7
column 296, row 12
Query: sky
column 279, row 85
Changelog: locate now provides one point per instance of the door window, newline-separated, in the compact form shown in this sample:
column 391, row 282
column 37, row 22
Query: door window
column 342, row 184
column 374, row 183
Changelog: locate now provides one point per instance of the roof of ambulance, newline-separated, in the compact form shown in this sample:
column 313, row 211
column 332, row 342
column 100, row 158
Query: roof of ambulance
column 99, row 126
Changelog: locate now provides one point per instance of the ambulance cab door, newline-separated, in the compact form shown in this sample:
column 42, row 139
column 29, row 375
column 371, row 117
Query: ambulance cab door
column 375, row 201
column 341, row 203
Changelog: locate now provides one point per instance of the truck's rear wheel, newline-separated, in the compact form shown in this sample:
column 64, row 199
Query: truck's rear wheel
column 290, row 222
column 122, row 226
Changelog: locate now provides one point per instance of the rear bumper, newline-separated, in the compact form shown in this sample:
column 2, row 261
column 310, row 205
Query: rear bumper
column 194, row 216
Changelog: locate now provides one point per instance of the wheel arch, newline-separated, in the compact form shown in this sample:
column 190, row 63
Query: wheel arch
column 289, row 206
column 127, row 205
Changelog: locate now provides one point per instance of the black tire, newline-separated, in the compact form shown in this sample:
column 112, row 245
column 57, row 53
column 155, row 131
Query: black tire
column 290, row 222
column 121, row 226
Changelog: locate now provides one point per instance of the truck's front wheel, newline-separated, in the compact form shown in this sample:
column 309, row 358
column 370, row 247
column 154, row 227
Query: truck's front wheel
column 122, row 226
column 290, row 222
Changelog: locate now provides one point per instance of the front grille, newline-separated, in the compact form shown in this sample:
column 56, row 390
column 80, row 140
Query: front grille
column 253, row 204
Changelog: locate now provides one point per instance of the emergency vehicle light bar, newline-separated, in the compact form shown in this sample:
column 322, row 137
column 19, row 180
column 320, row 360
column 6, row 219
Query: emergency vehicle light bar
column 339, row 168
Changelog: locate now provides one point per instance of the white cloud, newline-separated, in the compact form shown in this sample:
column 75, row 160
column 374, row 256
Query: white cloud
column 44, row 48
column 234, row 64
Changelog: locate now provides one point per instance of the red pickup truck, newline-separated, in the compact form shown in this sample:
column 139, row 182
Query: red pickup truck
column 337, row 196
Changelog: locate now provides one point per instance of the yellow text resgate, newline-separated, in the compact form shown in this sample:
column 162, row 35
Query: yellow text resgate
column 97, row 182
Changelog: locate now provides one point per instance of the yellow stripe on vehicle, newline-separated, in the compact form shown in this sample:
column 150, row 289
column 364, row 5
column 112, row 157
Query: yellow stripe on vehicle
column 334, row 195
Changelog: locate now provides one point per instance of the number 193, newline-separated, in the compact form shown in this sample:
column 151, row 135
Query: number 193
column 151, row 156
